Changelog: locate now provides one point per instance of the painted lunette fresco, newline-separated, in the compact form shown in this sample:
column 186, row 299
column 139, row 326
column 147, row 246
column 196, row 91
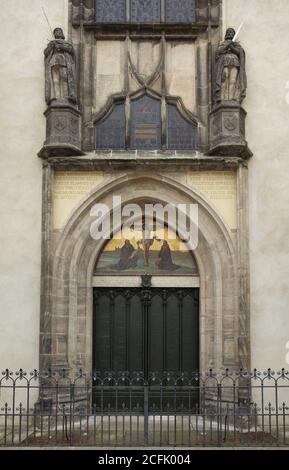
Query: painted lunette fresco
column 136, row 252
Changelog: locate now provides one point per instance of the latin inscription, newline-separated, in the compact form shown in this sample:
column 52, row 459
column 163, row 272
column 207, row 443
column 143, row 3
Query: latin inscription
column 219, row 187
column 215, row 184
column 71, row 185
column 69, row 188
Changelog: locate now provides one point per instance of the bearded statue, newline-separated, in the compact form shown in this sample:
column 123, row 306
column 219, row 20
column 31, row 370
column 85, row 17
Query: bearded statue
column 231, row 80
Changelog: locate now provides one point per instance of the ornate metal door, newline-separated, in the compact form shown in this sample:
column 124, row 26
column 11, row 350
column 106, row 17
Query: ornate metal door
column 146, row 330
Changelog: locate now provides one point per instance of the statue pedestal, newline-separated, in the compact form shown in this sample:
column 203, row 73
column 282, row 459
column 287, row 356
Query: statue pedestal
column 227, row 131
column 63, row 130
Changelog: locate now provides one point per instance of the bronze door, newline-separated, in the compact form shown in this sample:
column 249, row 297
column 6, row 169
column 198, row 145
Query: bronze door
column 146, row 330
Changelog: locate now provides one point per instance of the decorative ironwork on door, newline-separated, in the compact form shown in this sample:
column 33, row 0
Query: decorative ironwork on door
column 146, row 329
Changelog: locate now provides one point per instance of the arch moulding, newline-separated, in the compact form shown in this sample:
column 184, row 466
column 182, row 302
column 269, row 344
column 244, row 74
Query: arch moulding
column 67, row 293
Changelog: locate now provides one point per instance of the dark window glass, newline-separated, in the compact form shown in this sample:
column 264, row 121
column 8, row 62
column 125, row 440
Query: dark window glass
column 110, row 11
column 181, row 134
column 180, row 11
column 145, row 11
column 110, row 133
column 146, row 123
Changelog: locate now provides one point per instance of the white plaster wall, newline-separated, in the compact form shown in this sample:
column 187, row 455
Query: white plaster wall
column 24, row 35
column 181, row 70
column 109, row 71
column 265, row 36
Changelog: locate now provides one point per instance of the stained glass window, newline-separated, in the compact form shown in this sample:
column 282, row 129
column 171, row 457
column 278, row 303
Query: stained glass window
column 110, row 11
column 146, row 11
column 110, row 133
column 181, row 134
column 180, row 11
column 146, row 123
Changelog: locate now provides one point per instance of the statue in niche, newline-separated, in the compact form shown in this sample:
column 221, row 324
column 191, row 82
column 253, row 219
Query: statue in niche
column 60, row 81
column 231, row 80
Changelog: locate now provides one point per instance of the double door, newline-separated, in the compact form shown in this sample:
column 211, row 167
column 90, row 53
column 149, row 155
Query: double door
column 146, row 330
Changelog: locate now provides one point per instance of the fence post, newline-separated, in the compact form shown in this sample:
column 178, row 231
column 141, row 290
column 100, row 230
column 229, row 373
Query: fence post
column 146, row 414
column 71, row 413
column 219, row 412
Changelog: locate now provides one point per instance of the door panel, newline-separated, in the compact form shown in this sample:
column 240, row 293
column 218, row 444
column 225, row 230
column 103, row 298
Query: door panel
column 190, row 335
column 146, row 330
column 172, row 334
column 135, row 334
column 119, row 334
column 101, row 332
column 155, row 334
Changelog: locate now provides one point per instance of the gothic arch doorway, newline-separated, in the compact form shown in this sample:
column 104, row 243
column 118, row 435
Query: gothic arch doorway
column 68, row 339
column 146, row 319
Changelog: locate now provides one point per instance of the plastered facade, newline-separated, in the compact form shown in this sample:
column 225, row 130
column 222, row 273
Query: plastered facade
column 224, row 318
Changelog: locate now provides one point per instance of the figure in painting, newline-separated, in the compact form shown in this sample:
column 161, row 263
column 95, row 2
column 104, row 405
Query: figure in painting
column 164, row 260
column 125, row 256
column 147, row 242
column 60, row 82
column 231, row 80
column 136, row 255
column 141, row 251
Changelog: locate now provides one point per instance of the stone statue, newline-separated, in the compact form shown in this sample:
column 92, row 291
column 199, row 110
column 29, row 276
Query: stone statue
column 60, row 81
column 231, row 81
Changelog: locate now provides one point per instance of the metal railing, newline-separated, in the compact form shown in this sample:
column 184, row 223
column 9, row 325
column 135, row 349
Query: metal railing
column 172, row 410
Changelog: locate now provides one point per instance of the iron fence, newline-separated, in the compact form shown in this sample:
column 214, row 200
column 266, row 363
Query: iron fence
column 168, row 409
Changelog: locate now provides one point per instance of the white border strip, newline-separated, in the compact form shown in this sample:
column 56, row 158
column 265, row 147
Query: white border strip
column 135, row 281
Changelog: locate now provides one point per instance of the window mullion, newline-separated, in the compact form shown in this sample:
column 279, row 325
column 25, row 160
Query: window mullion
column 163, row 11
column 164, row 123
column 127, row 122
column 128, row 10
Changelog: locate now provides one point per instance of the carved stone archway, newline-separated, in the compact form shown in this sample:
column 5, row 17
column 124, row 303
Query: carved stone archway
column 67, row 335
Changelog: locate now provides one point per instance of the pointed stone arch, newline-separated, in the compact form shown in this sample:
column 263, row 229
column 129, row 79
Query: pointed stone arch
column 70, row 290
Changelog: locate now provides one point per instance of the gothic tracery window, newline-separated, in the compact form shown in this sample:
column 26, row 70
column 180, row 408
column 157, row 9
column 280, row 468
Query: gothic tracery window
column 145, row 132
column 146, row 123
column 145, row 11
column 110, row 11
column 181, row 134
column 180, row 11
column 148, row 118
column 110, row 133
